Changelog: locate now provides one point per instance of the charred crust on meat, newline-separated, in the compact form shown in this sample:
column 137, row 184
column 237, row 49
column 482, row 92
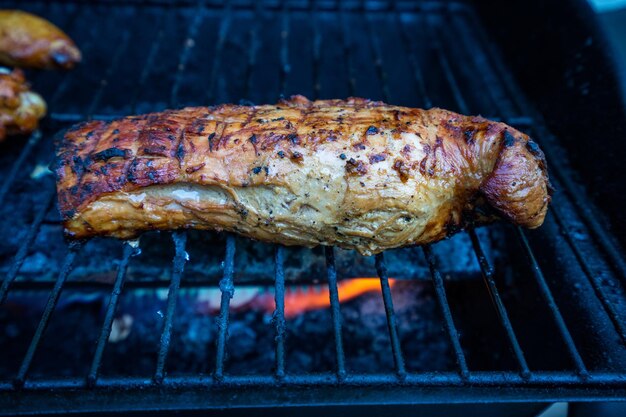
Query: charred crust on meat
column 468, row 135
column 402, row 169
column 372, row 130
column 210, row 139
column 180, row 152
column 359, row 146
column 509, row 139
column 354, row 167
column 155, row 150
column 297, row 157
column 293, row 138
column 533, row 148
column 253, row 139
column 257, row 170
column 281, row 154
column 377, row 158
column 107, row 154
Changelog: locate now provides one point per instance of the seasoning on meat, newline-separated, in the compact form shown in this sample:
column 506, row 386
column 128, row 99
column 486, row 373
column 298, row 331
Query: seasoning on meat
column 255, row 179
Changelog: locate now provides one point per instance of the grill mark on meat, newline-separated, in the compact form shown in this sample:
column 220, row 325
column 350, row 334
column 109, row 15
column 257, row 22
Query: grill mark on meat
column 509, row 139
column 219, row 132
column 107, row 154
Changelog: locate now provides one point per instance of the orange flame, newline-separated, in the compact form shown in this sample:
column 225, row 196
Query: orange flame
column 299, row 300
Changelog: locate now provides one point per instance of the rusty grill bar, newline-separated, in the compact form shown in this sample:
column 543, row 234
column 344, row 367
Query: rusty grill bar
column 576, row 383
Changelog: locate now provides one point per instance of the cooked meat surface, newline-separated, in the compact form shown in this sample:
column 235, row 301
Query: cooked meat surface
column 29, row 41
column 20, row 108
column 357, row 174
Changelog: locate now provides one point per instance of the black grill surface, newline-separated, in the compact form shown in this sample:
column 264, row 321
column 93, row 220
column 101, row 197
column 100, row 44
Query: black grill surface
column 556, row 294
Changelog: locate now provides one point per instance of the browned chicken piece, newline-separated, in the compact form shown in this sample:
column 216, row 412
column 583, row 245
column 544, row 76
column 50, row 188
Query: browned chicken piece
column 358, row 174
column 29, row 41
column 20, row 108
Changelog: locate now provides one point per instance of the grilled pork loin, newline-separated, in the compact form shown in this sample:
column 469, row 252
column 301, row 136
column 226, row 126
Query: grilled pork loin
column 357, row 174
column 20, row 108
column 29, row 41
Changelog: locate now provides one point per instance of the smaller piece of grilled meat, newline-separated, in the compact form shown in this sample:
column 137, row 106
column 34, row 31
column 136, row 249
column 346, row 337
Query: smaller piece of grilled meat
column 29, row 41
column 20, row 108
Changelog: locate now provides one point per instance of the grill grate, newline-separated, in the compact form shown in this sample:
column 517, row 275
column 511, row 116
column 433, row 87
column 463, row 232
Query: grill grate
column 303, row 70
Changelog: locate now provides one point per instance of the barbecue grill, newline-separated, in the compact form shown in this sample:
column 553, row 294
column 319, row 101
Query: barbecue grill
column 548, row 325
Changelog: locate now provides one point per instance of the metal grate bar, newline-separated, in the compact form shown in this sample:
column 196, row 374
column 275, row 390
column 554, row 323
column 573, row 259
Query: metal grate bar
column 554, row 309
column 601, row 237
column 120, row 49
column 252, row 50
column 381, row 269
column 598, row 231
column 535, row 267
column 488, row 84
column 279, row 313
column 487, row 271
column 227, row 288
column 335, row 311
column 74, row 248
column 285, row 68
column 436, row 276
column 435, row 42
column 347, row 48
column 546, row 382
column 192, row 33
column 149, row 64
column 608, row 305
column 415, row 66
column 219, row 48
column 26, row 244
column 317, row 46
column 447, row 314
column 178, row 266
column 376, row 52
column 92, row 377
column 8, row 180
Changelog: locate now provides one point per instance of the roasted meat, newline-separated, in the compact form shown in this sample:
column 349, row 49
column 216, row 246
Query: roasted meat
column 20, row 108
column 29, row 41
column 357, row 174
